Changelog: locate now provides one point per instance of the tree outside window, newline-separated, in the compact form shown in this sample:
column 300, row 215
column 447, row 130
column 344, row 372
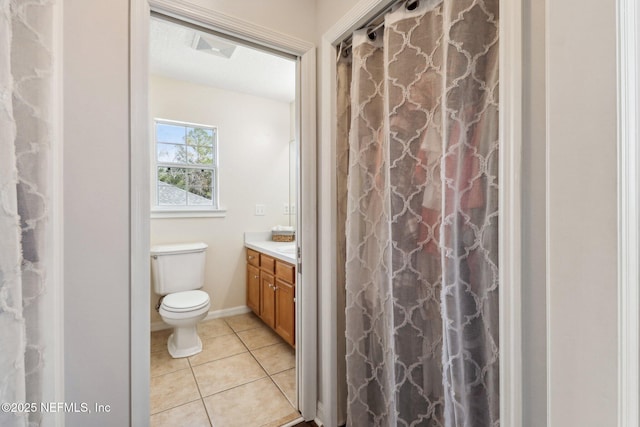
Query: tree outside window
column 186, row 164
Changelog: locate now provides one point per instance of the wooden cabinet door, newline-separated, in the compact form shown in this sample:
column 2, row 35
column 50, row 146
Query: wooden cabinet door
column 285, row 320
column 267, row 309
column 253, row 288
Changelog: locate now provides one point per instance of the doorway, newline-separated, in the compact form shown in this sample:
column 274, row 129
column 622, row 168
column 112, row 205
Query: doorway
column 304, row 131
column 223, row 133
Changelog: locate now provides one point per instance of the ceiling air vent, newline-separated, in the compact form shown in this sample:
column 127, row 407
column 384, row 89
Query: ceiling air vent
column 213, row 46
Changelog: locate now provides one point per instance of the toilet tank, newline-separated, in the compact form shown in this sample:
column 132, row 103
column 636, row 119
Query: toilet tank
column 177, row 267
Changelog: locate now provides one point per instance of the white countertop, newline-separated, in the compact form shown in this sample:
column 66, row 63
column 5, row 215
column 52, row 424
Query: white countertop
column 261, row 242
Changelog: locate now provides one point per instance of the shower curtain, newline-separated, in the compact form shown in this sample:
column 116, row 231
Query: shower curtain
column 419, row 201
column 25, row 137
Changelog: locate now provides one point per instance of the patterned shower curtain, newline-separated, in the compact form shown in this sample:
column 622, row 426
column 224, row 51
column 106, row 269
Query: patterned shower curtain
column 420, row 209
column 25, row 136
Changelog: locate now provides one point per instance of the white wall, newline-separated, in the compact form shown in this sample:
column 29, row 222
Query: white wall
column 96, row 192
column 330, row 11
column 253, row 145
column 292, row 17
column 96, row 209
column 582, row 217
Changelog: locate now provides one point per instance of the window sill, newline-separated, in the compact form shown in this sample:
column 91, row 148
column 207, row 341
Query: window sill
column 184, row 213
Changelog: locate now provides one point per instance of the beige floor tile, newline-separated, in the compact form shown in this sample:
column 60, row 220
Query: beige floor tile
column 239, row 391
column 284, row 420
column 286, row 381
column 163, row 363
column 254, row 404
column 191, row 414
column 217, row 348
column 242, row 322
column 276, row 358
column 223, row 374
column 213, row 328
column 171, row 390
column 259, row 337
column 159, row 339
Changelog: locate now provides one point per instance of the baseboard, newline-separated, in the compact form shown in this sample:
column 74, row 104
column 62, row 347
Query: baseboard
column 215, row 314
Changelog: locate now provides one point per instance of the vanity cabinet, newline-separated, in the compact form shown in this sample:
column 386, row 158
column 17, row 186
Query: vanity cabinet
column 271, row 292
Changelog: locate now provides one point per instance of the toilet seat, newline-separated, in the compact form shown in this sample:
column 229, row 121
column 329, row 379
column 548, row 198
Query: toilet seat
column 181, row 302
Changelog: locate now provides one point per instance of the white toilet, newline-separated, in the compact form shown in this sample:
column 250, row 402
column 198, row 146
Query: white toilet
column 177, row 272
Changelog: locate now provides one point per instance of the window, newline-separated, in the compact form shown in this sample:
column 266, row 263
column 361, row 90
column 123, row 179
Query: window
column 186, row 167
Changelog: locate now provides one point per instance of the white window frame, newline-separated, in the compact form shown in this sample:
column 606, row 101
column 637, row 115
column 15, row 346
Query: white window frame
column 177, row 211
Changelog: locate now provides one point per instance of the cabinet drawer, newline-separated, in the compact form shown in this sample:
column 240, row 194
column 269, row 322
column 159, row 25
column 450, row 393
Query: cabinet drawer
column 285, row 272
column 267, row 263
column 253, row 257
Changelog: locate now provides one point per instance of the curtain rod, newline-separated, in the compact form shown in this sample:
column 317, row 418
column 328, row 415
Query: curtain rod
column 344, row 46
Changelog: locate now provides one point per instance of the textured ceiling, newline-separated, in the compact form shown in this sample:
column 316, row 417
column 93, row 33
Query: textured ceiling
column 248, row 70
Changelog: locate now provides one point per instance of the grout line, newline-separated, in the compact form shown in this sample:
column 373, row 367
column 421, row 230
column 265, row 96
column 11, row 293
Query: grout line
column 174, row 407
column 251, row 328
column 284, row 370
column 236, row 386
column 283, row 393
column 270, row 375
column 215, row 360
column 206, row 411
column 168, row 373
column 243, row 343
column 208, row 337
column 193, row 374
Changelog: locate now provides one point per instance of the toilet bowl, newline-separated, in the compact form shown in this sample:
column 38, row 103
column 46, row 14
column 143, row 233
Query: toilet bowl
column 177, row 272
column 182, row 311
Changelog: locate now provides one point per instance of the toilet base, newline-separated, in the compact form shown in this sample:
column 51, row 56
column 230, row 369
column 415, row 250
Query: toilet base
column 184, row 342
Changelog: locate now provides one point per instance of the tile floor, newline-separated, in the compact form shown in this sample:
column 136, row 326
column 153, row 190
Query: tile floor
column 244, row 376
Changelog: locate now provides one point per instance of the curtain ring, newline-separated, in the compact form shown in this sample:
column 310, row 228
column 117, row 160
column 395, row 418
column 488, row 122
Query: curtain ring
column 344, row 50
column 412, row 4
column 372, row 35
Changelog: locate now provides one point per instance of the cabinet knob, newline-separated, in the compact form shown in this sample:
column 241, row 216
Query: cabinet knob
column 255, row 277
column 250, row 256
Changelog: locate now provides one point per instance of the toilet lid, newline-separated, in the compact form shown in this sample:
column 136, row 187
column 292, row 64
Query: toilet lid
column 185, row 301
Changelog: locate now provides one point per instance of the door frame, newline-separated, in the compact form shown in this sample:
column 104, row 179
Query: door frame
column 628, row 58
column 306, row 310
column 511, row 38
